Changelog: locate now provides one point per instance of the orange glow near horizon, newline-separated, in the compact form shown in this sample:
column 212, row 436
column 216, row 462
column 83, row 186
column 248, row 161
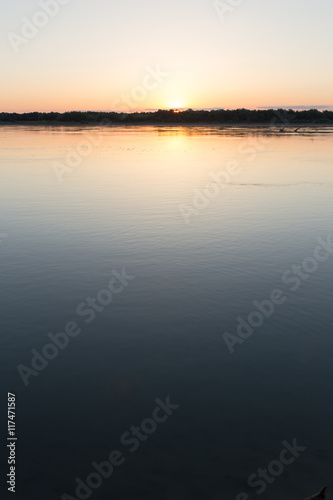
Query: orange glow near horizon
column 69, row 95
column 42, row 100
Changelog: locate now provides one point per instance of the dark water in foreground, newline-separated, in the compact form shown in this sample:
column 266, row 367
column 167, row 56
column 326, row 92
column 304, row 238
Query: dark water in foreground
column 126, row 200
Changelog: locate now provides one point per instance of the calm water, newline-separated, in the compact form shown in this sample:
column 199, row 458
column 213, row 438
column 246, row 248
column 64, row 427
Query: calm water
column 129, row 199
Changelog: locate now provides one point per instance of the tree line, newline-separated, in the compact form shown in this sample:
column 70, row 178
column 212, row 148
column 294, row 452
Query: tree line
column 190, row 116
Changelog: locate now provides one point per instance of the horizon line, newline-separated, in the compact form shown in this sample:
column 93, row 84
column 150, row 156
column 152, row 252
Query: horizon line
column 319, row 108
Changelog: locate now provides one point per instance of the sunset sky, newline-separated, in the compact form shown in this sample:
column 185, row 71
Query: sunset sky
column 102, row 54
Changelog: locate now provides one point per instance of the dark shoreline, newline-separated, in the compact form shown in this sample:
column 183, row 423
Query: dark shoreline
column 214, row 118
column 289, row 127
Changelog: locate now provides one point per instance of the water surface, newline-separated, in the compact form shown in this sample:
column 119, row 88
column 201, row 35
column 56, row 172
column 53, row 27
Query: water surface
column 121, row 204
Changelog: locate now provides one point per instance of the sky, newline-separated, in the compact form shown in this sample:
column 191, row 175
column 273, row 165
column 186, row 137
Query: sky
column 63, row 55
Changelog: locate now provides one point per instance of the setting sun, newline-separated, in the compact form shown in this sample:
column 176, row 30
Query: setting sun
column 176, row 104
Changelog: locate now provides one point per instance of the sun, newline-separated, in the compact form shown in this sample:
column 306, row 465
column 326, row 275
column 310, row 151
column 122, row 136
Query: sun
column 176, row 103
